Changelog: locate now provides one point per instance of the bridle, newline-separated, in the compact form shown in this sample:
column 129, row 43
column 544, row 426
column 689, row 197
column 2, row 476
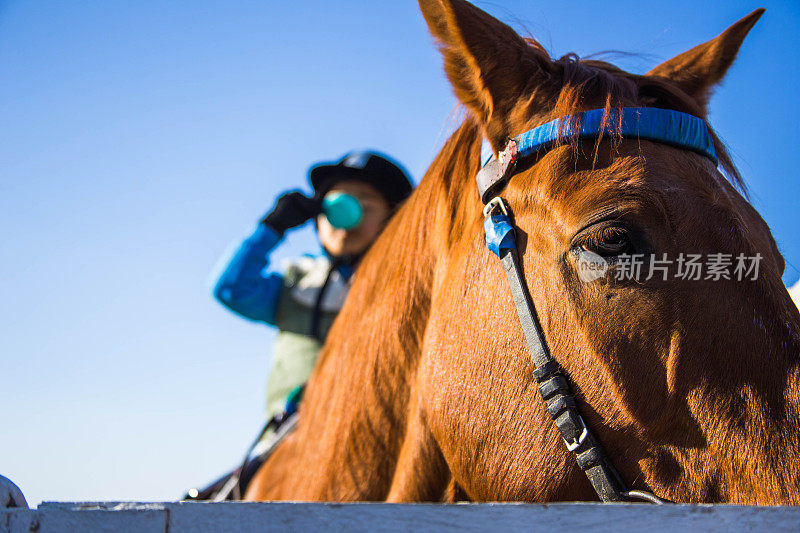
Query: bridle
column 659, row 125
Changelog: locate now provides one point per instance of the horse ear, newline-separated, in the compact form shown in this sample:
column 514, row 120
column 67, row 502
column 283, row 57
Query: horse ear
column 487, row 63
column 698, row 70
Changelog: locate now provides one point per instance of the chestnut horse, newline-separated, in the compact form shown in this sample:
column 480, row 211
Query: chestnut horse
column 424, row 390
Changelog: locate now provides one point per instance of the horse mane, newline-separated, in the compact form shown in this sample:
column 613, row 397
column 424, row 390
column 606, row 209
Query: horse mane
column 375, row 343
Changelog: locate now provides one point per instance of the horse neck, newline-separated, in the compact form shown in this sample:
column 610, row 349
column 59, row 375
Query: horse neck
column 747, row 406
column 769, row 458
column 355, row 411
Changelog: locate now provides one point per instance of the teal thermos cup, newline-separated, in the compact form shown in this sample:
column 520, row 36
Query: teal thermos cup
column 342, row 210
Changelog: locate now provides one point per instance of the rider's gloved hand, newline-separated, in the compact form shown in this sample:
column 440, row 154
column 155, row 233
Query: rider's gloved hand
column 291, row 210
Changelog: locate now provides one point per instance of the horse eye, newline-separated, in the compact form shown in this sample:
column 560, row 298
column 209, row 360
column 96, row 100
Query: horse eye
column 610, row 241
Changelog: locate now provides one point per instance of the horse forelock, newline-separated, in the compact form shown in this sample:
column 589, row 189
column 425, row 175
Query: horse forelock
column 576, row 85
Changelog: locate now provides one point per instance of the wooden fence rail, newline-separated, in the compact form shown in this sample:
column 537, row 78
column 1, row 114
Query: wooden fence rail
column 91, row 517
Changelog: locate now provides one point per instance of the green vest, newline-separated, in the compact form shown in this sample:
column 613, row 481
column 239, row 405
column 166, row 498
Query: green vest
column 295, row 351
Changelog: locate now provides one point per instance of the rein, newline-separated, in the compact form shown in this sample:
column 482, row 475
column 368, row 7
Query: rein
column 659, row 125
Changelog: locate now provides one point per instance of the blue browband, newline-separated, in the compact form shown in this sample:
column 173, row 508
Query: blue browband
column 674, row 128
column 650, row 123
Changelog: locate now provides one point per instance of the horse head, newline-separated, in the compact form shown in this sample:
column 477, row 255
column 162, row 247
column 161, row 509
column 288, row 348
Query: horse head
column 691, row 383
column 425, row 389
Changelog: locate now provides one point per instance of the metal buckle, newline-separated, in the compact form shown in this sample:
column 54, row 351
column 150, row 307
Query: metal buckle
column 495, row 202
column 581, row 439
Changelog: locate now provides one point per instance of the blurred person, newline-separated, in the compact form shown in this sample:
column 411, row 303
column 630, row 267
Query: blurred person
column 353, row 200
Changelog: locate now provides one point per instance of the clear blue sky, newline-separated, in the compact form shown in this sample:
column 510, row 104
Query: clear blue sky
column 139, row 139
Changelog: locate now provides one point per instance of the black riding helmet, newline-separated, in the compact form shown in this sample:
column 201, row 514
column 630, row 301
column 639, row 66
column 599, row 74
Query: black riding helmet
column 372, row 168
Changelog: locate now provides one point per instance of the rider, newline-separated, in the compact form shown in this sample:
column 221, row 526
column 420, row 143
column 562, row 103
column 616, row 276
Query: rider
column 353, row 199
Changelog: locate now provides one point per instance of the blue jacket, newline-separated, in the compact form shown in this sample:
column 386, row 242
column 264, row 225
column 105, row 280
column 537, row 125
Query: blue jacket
column 244, row 286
